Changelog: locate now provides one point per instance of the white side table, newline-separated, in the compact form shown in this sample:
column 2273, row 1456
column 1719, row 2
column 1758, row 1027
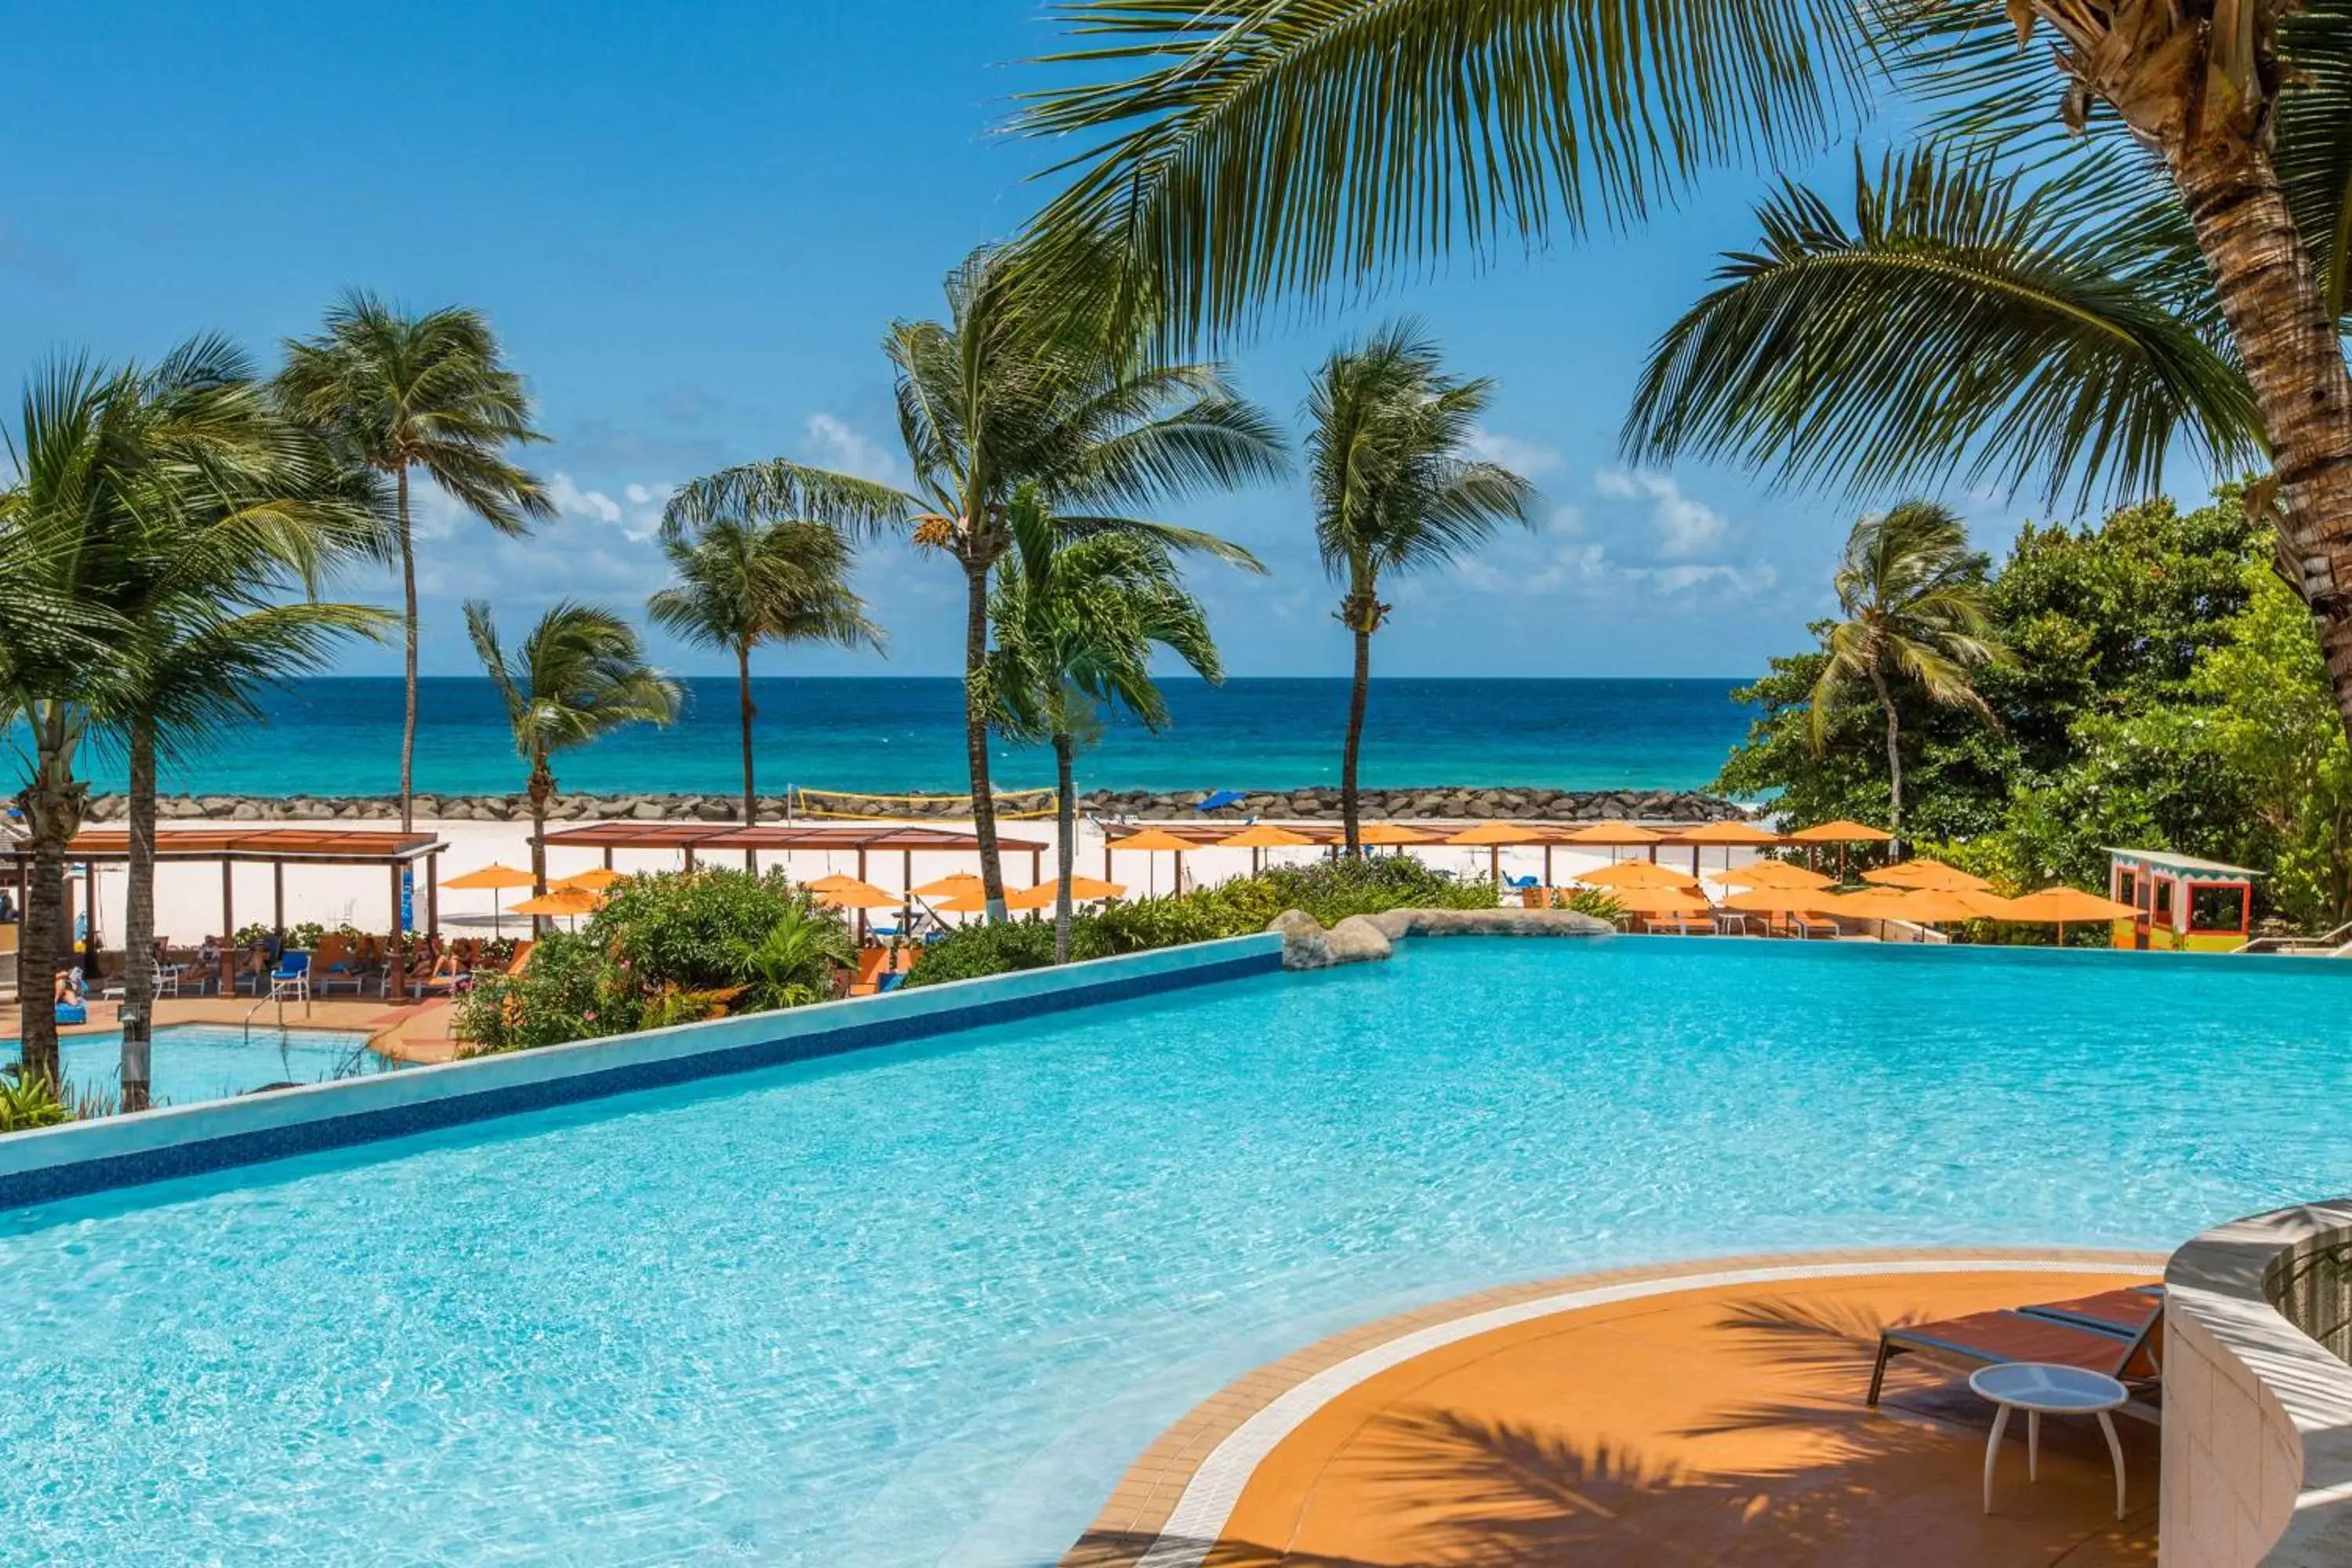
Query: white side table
column 2036, row 1388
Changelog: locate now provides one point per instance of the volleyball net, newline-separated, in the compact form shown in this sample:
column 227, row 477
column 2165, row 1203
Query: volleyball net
column 1017, row 805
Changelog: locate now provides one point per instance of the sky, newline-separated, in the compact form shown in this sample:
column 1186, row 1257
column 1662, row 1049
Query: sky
column 689, row 226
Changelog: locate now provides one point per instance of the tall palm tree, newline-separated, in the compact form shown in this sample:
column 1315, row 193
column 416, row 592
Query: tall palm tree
column 2217, row 129
column 1396, row 490
column 742, row 585
column 217, row 591
column 578, row 675
column 1023, row 383
column 1916, row 610
column 396, row 393
column 1076, row 625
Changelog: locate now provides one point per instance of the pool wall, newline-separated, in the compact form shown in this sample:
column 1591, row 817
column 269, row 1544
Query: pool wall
column 157, row 1145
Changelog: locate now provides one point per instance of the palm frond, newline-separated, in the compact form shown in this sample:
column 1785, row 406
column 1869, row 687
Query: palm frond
column 1962, row 327
column 1234, row 151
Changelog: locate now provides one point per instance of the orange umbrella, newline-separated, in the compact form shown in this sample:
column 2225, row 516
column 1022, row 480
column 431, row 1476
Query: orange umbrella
column 1394, row 833
column 1779, row 901
column 1659, row 901
column 976, row 900
column 1265, row 836
column 1083, row 890
column 837, row 879
column 570, row 901
column 596, row 881
column 856, row 895
column 955, row 885
column 1152, row 838
column 1922, row 906
column 1932, row 874
column 1494, row 835
column 1842, row 831
column 1608, row 835
column 1637, row 874
column 496, row 879
column 2062, row 907
column 1773, row 874
column 1744, row 833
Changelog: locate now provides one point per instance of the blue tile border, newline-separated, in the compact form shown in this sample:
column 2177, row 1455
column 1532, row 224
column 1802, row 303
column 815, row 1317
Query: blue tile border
column 82, row 1158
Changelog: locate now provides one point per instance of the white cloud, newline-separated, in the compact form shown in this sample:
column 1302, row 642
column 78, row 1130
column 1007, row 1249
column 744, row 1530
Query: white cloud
column 1685, row 526
column 577, row 505
column 1528, row 459
column 844, row 448
column 638, row 520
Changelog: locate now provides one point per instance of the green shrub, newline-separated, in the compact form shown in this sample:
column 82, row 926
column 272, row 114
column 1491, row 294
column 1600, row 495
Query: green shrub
column 28, row 1102
column 972, row 951
column 1595, row 902
column 1331, row 890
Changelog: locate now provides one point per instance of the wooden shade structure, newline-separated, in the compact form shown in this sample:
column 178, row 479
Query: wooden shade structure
column 691, row 839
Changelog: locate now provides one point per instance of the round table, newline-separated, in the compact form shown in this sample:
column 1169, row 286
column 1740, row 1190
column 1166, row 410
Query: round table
column 2039, row 1388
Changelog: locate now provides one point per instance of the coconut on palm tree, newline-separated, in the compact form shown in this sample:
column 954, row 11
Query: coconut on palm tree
column 2192, row 274
column 396, row 393
column 1398, row 488
column 1022, row 384
column 743, row 585
column 1915, row 614
column 578, row 675
column 1077, row 621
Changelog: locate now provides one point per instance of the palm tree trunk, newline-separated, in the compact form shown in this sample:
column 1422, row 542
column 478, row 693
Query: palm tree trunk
column 2270, row 293
column 139, row 924
column 408, row 664
column 1894, row 760
column 53, row 803
column 751, row 795
column 1350, row 806
column 1065, row 852
column 975, row 737
column 540, row 789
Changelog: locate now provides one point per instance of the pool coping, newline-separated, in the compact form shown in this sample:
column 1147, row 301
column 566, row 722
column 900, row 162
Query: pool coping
column 78, row 1158
column 1169, row 1508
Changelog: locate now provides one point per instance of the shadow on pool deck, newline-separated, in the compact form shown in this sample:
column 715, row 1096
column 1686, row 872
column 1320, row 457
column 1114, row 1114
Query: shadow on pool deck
column 1709, row 1427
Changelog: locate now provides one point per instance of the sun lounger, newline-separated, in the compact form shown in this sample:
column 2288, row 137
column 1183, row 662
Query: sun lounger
column 448, row 977
column 2118, row 1332
column 1809, row 926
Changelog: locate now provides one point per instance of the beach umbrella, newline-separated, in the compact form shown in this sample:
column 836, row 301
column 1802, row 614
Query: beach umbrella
column 571, row 903
column 1083, row 890
column 1264, row 835
column 1772, row 873
column 496, row 879
column 856, row 895
column 1843, row 833
column 976, row 900
column 1730, row 834
column 596, row 881
column 1778, row 900
column 1631, row 874
column 1493, row 836
column 1920, row 906
column 1148, row 841
column 1661, row 901
column 955, row 885
column 2062, row 907
column 1612, row 835
column 837, row 879
column 1931, row 874
column 1394, row 833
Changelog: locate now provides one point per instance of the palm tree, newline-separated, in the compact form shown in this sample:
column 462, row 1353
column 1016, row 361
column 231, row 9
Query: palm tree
column 741, row 585
column 1021, row 384
column 1916, row 610
column 2210, row 131
column 394, row 393
column 1396, row 490
column 579, row 675
column 245, row 512
column 1077, row 624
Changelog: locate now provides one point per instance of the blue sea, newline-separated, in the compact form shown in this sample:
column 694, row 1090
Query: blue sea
column 887, row 734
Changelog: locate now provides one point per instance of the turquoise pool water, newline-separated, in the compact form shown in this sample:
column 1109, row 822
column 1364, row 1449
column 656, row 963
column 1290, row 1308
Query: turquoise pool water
column 922, row 1306
column 195, row 1062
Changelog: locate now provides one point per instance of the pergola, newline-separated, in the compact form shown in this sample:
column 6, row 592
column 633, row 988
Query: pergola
column 693, row 839
column 276, row 847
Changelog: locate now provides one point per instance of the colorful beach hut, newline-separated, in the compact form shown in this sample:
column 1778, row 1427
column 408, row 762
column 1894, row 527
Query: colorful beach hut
column 2180, row 902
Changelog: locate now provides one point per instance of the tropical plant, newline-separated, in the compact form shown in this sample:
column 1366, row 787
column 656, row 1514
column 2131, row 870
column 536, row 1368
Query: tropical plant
column 795, row 962
column 1958, row 325
column 1077, row 623
column 578, row 675
column 394, row 393
column 742, row 585
column 1916, row 610
column 30, row 1099
column 1396, row 489
column 1021, row 384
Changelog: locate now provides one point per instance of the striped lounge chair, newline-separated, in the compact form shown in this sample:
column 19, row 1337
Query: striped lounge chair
column 2118, row 1332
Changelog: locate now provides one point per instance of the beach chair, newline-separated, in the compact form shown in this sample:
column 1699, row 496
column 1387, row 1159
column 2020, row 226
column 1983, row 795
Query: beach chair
column 2117, row 1333
column 522, row 957
column 448, row 977
column 290, row 981
column 1811, row 926
column 872, row 963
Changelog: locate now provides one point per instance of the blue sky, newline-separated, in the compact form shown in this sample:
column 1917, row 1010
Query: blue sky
column 690, row 225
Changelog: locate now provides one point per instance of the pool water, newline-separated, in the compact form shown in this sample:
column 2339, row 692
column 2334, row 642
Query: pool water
column 189, row 1063
column 923, row 1305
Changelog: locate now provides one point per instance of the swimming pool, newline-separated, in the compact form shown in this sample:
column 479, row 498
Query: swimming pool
column 190, row 1063
column 924, row 1304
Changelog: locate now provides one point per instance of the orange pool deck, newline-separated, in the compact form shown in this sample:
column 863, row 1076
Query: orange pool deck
column 1702, row 1424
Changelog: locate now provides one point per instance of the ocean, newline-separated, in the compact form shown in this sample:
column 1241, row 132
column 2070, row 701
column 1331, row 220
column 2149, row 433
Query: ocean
column 884, row 734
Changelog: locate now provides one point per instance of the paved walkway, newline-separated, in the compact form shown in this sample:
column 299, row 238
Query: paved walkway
column 1721, row 1423
column 411, row 1032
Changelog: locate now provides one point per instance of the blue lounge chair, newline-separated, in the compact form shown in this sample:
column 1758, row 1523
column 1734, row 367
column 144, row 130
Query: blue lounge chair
column 291, row 978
